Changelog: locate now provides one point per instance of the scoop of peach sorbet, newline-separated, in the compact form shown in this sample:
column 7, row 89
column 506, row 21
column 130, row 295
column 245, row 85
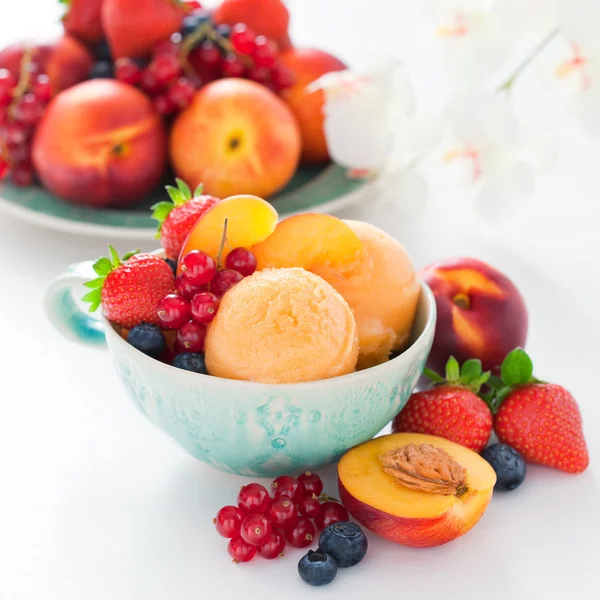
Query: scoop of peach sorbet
column 282, row 326
column 382, row 291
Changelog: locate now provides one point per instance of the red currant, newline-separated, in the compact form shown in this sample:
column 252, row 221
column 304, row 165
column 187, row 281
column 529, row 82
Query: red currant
column 254, row 498
column 232, row 66
column 173, row 311
column 260, row 74
column 240, row 550
column 42, row 88
column 282, row 78
column 166, row 68
column 265, row 52
column 302, row 534
column 242, row 261
column 242, row 39
column 209, row 53
column 274, row 546
column 17, row 133
column 127, row 71
column 3, row 116
column 192, row 5
column 283, row 513
column 168, row 47
column 181, row 92
column 198, row 267
column 310, row 507
column 204, row 307
column 22, row 174
column 287, row 486
column 18, row 152
column 229, row 521
column 163, row 105
column 149, row 83
column 4, row 169
column 29, row 109
column 256, row 530
column 311, row 483
column 332, row 512
column 224, row 280
column 7, row 82
column 190, row 337
column 187, row 289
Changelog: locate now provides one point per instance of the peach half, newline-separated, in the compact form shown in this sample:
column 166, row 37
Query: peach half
column 430, row 498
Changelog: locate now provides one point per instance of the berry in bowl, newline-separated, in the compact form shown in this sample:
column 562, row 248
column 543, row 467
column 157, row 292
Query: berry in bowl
column 261, row 348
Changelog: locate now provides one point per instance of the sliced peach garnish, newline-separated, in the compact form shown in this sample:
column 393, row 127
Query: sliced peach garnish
column 313, row 241
column 442, row 502
column 250, row 220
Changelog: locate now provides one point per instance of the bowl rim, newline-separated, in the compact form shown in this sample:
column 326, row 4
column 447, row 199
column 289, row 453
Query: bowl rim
column 350, row 378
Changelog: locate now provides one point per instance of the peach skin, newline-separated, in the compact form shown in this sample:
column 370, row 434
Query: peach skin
column 100, row 143
column 413, row 489
column 308, row 65
column 236, row 137
column 481, row 313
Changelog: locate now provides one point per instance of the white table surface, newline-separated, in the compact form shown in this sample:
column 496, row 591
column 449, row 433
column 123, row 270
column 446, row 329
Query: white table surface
column 96, row 504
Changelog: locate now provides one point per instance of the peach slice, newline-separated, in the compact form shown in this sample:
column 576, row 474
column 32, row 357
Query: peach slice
column 417, row 518
column 250, row 220
column 313, row 241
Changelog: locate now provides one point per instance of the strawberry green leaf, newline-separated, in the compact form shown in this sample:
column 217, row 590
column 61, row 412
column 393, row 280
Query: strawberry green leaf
column 495, row 382
column 102, row 266
column 184, row 188
column 517, row 368
column 129, row 254
column 115, row 261
column 433, row 376
column 94, row 298
column 452, row 370
column 199, row 190
column 470, row 370
column 95, row 283
column 176, row 196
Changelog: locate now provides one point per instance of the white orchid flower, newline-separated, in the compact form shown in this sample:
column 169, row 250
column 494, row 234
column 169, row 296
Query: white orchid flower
column 484, row 139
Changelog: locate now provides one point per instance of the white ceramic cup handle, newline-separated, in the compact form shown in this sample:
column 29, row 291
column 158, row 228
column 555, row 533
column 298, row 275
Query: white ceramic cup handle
column 66, row 316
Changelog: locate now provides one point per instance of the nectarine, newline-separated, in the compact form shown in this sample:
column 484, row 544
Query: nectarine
column 414, row 489
column 308, row 65
column 100, row 143
column 481, row 313
column 236, row 137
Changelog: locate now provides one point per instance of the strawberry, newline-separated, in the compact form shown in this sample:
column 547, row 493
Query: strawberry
column 130, row 288
column 176, row 218
column 540, row 420
column 451, row 409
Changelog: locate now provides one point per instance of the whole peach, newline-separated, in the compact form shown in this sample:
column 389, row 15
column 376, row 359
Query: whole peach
column 307, row 65
column 481, row 313
column 100, row 143
column 236, row 137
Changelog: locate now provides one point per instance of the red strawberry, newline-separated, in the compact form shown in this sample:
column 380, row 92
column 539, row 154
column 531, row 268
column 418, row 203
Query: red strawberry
column 452, row 409
column 134, row 28
column 82, row 20
column 540, row 420
column 176, row 218
column 130, row 289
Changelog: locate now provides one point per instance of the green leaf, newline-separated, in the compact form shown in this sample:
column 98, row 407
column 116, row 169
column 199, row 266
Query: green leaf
column 199, row 190
column 102, row 266
column 433, row 376
column 452, row 370
column 129, row 254
column 517, row 368
column 470, row 370
column 94, row 298
column 184, row 188
column 161, row 210
column 495, row 382
column 95, row 283
column 115, row 261
column 176, row 196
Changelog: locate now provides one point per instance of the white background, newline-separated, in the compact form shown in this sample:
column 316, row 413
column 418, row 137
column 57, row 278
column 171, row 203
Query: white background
column 96, row 504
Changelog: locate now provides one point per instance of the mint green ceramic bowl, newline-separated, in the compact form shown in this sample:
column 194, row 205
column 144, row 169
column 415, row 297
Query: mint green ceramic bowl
column 246, row 427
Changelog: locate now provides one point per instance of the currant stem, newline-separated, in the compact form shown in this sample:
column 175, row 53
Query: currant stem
column 23, row 83
column 542, row 44
column 222, row 245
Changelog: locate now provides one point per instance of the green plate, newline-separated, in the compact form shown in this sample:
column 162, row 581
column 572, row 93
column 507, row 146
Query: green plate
column 313, row 189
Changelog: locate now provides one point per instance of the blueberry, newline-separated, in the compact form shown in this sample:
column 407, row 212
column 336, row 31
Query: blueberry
column 190, row 361
column 173, row 264
column 194, row 20
column 509, row 465
column 101, row 51
column 148, row 339
column 224, row 31
column 345, row 541
column 317, row 568
column 101, row 70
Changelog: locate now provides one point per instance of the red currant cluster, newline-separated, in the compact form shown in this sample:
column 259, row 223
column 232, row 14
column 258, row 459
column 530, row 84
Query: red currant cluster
column 264, row 524
column 22, row 104
column 200, row 286
column 201, row 53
